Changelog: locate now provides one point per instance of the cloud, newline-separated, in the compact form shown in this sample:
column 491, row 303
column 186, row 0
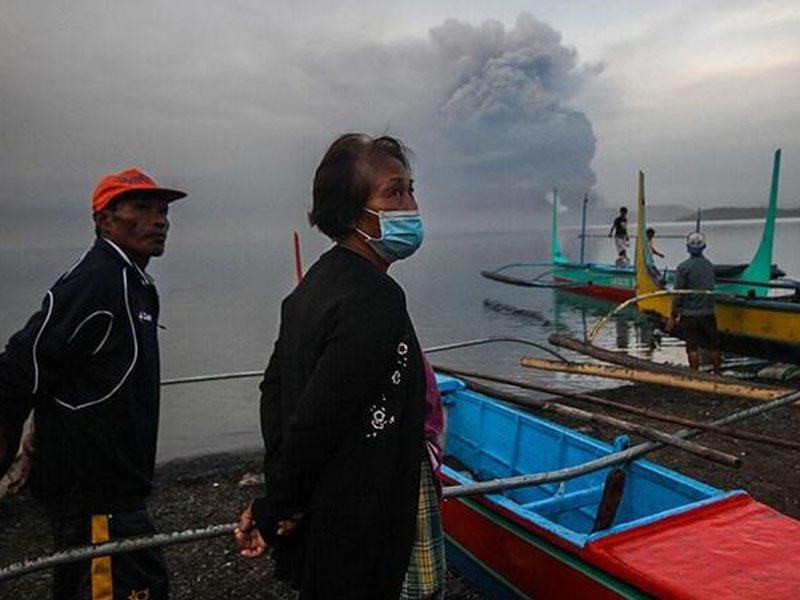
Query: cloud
column 508, row 115
column 698, row 101
column 237, row 108
column 485, row 107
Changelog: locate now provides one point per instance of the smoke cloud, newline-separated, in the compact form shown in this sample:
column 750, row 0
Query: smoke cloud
column 507, row 117
column 237, row 107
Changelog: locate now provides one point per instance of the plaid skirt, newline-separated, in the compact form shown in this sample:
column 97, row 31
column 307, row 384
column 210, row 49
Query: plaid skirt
column 425, row 577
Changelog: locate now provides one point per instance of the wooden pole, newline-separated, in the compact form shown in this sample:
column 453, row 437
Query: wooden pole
column 626, row 360
column 298, row 262
column 488, row 487
column 469, row 489
column 644, row 412
column 647, row 432
column 683, row 381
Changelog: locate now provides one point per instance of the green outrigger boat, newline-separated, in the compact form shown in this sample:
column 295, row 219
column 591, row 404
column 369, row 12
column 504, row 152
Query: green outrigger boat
column 617, row 284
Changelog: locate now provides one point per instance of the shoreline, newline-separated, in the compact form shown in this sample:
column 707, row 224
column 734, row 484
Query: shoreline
column 198, row 491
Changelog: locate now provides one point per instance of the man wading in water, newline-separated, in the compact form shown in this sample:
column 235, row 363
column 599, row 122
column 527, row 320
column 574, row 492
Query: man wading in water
column 695, row 313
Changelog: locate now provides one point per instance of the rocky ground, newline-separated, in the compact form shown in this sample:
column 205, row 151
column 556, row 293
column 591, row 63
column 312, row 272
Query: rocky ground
column 200, row 491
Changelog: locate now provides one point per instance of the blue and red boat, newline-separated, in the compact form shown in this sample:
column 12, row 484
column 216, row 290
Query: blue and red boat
column 672, row 537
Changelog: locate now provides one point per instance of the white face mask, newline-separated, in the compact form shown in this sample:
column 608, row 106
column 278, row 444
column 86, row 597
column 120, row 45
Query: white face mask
column 402, row 232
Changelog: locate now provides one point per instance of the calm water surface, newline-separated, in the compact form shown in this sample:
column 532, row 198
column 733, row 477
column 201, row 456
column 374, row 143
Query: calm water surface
column 220, row 308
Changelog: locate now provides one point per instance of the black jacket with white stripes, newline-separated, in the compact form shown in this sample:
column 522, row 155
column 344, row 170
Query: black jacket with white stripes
column 88, row 363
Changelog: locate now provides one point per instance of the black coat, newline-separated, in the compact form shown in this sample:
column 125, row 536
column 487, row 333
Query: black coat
column 342, row 414
column 88, row 362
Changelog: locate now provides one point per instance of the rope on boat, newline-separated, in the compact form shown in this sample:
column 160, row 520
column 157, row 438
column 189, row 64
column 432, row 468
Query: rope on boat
column 429, row 350
column 493, row 340
column 484, row 487
column 602, row 323
column 219, row 377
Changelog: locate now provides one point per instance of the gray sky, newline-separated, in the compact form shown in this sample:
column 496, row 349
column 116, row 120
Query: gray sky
column 235, row 102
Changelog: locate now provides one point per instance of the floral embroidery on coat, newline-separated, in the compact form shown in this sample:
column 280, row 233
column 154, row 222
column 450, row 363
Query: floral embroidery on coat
column 382, row 413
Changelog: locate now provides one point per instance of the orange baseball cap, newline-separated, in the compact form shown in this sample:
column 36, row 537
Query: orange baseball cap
column 129, row 180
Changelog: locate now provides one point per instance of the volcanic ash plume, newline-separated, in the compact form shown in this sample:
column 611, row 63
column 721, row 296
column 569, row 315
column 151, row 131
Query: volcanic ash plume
column 506, row 116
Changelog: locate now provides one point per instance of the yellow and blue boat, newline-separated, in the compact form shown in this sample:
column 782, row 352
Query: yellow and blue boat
column 750, row 323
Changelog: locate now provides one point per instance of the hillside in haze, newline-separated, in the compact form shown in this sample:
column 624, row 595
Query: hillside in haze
column 731, row 212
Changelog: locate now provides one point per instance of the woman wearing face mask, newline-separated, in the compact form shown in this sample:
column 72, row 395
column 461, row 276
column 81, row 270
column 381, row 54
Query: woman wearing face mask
column 350, row 414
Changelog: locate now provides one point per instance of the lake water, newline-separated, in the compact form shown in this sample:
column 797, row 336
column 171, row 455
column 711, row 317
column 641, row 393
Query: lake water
column 220, row 307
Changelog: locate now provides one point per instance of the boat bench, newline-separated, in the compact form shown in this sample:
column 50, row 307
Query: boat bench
column 564, row 502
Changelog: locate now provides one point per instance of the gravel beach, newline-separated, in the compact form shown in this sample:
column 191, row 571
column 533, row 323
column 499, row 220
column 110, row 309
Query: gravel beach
column 199, row 491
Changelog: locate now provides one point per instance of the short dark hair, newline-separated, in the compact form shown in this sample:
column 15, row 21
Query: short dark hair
column 650, row 231
column 343, row 181
column 623, row 209
column 110, row 207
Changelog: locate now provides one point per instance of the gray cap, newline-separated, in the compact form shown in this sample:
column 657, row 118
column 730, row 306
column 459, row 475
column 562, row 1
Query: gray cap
column 696, row 240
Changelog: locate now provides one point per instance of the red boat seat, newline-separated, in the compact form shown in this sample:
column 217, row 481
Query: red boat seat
column 735, row 548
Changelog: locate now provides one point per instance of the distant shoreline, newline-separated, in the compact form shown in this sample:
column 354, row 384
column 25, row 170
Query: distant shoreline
column 675, row 223
column 738, row 214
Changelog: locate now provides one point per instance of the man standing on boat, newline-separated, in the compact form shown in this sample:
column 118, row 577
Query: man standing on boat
column 619, row 229
column 88, row 363
column 696, row 312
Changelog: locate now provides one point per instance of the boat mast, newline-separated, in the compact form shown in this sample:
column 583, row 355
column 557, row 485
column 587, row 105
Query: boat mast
column 555, row 245
column 583, row 226
column 760, row 267
column 645, row 283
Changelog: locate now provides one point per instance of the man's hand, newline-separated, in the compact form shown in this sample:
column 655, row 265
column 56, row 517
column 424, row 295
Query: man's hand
column 8, row 449
column 286, row 526
column 21, row 468
column 29, row 444
column 248, row 536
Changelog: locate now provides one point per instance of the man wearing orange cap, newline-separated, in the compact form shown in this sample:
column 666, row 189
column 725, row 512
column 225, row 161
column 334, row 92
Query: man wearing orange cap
column 88, row 363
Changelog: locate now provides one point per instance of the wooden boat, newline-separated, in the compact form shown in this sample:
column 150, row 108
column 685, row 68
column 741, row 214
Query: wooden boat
column 749, row 323
column 617, row 284
column 671, row 537
column 596, row 279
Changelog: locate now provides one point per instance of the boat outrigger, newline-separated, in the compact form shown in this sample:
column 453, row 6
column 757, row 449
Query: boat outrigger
column 617, row 283
column 750, row 323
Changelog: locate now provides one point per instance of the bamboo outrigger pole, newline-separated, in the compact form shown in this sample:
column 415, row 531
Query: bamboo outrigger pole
column 621, row 358
column 649, row 433
column 683, row 381
column 644, row 412
column 470, row 489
